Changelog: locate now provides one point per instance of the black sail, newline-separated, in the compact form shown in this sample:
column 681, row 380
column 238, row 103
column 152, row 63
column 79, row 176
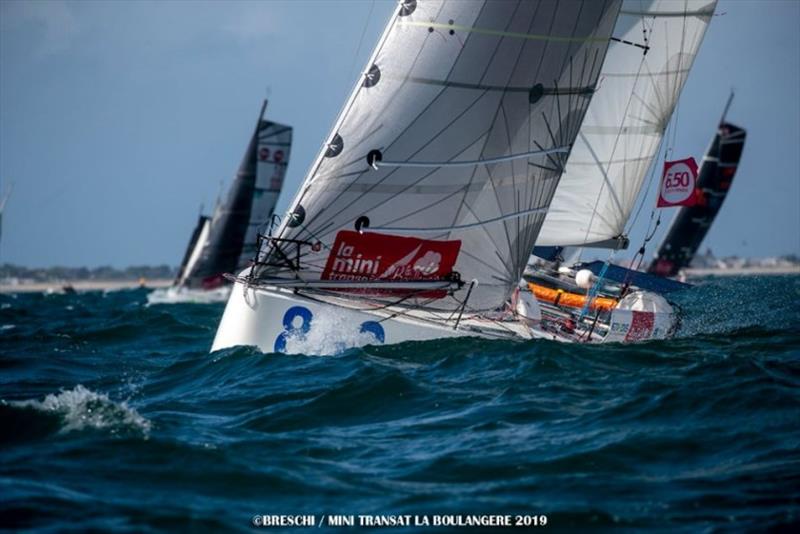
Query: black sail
column 691, row 224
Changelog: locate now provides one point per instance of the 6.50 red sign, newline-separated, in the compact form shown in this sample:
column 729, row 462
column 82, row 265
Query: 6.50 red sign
column 678, row 183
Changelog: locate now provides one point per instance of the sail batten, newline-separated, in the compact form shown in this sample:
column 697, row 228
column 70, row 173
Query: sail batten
column 626, row 120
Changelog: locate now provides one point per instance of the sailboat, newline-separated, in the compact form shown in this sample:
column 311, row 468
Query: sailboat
column 3, row 206
column 691, row 224
column 655, row 44
column 416, row 220
column 226, row 241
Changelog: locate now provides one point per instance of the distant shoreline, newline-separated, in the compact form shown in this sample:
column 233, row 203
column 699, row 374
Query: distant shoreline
column 113, row 285
column 83, row 285
column 742, row 271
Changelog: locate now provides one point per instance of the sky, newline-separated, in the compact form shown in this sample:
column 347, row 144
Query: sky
column 119, row 120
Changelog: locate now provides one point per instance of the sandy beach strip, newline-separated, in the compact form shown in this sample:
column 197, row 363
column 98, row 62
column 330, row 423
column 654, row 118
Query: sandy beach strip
column 743, row 271
column 82, row 285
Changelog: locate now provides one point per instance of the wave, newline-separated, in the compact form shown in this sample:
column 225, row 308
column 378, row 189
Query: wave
column 587, row 434
column 81, row 408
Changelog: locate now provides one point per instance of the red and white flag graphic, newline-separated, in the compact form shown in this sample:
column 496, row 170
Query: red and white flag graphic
column 373, row 256
column 679, row 184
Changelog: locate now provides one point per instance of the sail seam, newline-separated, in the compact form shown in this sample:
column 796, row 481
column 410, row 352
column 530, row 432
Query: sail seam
column 500, row 33
column 462, row 226
column 471, row 163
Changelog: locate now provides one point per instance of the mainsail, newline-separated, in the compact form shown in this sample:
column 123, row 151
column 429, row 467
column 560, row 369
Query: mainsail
column 227, row 242
column 690, row 225
column 655, row 44
column 453, row 140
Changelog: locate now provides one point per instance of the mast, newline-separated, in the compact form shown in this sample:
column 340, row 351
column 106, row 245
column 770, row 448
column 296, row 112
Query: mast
column 727, row 107
column 454, row 138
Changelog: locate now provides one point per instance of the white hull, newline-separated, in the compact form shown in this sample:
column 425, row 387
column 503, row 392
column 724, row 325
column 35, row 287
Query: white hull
column 279, row 320
column 276, row 320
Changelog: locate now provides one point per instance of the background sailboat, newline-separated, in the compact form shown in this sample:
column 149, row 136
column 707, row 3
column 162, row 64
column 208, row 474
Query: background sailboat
column 225, row 242
column 3, row 207
column 691, row 224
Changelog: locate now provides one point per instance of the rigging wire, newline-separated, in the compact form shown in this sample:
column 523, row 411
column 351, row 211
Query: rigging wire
column 361, row 40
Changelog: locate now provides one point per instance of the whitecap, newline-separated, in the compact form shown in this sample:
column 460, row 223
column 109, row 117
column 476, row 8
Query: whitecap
column 172, row 295
column 81, row 408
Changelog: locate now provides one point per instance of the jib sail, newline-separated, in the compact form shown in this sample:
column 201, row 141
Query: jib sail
column 653, row 49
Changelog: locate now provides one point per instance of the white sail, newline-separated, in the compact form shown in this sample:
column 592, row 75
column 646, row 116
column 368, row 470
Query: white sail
column 655, row 44
column 456, row 135
column 197, row 250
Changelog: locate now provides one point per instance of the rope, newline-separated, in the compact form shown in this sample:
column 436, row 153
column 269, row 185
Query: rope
column 361, row 39
column 595, row 287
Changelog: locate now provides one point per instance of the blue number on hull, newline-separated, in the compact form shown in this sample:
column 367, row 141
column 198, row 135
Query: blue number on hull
column 375, row 329
column 289, row 328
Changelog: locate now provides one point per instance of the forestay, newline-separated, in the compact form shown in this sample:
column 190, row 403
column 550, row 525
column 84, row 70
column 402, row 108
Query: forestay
column 654, row 47
column 454, row 138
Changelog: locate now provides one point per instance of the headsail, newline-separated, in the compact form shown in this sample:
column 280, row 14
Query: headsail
column 654, row 47
column 454, row 138
column 231, row 234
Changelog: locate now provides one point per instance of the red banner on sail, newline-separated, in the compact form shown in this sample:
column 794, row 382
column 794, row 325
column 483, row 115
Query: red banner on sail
column 679, row 184
column 371, row 256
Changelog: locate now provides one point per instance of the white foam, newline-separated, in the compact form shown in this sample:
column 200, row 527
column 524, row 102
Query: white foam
column 81, row 408
column 329, row 334
column 174, row 295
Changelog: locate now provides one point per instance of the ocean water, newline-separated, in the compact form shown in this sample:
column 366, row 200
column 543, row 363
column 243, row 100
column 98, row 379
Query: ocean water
column 114, row 416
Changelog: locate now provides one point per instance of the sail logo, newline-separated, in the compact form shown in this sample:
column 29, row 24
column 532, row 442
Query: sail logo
column 264, row 154
column 373, row 256
column 678, row 184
